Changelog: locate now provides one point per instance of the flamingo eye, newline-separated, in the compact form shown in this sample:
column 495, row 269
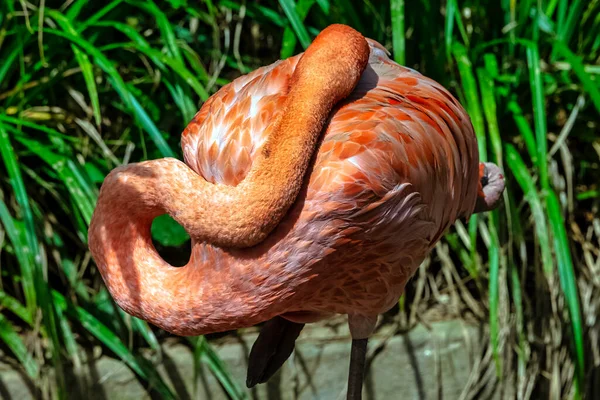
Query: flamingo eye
column 485, row 180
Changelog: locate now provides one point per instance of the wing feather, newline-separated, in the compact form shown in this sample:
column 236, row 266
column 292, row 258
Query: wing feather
column 398, row 127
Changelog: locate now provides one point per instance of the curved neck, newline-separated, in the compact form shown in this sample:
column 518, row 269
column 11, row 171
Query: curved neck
column 192, row 300
column 210, row 294
column 244, row 215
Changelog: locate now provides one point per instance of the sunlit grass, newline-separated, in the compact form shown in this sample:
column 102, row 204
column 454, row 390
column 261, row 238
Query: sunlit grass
column 87, row 86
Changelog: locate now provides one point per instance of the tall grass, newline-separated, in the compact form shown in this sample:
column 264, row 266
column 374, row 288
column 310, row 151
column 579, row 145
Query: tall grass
column 87, row 86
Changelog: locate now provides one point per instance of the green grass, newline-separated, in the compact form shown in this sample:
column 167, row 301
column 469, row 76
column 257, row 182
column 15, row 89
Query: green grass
column 87, row 86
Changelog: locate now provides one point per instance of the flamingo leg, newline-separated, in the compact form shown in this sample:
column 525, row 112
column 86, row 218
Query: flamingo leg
column 361, row 327
column 356, row 374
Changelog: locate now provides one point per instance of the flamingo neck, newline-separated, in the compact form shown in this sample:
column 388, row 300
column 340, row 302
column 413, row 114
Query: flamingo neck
column 192, row 300
column 209, row 294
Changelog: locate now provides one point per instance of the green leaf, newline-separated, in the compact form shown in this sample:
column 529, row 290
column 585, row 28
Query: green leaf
column 97, row 16
column 168, row 232
column 488, row 99
column 10, row 303
column 84, row 63
column 573, row 19
column 26, row 252
column 324, row 5
column 32, row 252
column 71, row 174
column 14, row 342
column 493, row 298
column 525, row 181
column 289, row 8
column 469, row 84
column 349, row 11
column 289, row 41
column 162, row 21
column 568, row 283
column 112, row 341
column 204, row 351
column 539, row 111
column 588, row 85
column 398, row 40
column 524, row 129
column 518, row 302
column 159, row 58
column 117, row 82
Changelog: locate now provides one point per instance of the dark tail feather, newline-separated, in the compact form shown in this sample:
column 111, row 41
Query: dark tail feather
column 272, row 347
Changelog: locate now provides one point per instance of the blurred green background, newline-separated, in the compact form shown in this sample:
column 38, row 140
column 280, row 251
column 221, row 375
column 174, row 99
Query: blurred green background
column 87, row 86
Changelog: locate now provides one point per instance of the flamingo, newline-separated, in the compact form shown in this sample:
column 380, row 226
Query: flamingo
column 311, row 187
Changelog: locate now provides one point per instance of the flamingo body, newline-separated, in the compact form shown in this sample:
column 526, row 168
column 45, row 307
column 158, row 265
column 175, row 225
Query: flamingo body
column 313, row 186
column 397, row 165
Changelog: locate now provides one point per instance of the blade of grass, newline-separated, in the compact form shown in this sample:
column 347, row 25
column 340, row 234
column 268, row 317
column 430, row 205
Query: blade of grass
column 568, row 283
column 159, row 58
column 68, row 339
column 488, row 99
column 589, row 194
column 493, row 299
column 195, row 62
column 204, row 351
column 92, row 132
column 398, row 39
column 564, row 35
column 473, row 223
column 539, row 112
column 87, row 70
column 182, row 100
column 162, row 21
column 524, row 129
column 65, row 169
column 144, row 329
column 288, row 43
column 324, row 5
column 9, row 60
column 258, row 12
column 517, row 299
column 8, row 302
column 348, row 9
column 32, row 251
column 74, row 8
column 22, row 258
column 469, row 84
column 112, row 341
column 25, row 251
column 486, row 85
column 23, row 122
column 96, row 17
column 289, row 8
column 525, row 181
column 148, row 125
column 588, row 85
column 13, row 341
column 449, row 27
column 117, row 82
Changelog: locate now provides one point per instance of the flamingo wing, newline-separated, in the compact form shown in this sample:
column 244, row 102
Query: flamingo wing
column 233, row 125
column 399, row 127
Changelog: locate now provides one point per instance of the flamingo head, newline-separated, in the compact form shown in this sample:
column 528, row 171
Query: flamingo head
column 491, row 186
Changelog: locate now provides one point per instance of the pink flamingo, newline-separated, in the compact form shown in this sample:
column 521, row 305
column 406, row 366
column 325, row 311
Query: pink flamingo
column 290, row 225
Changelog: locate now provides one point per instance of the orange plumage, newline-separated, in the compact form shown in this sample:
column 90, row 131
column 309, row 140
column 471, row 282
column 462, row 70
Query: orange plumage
column 396, row 165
